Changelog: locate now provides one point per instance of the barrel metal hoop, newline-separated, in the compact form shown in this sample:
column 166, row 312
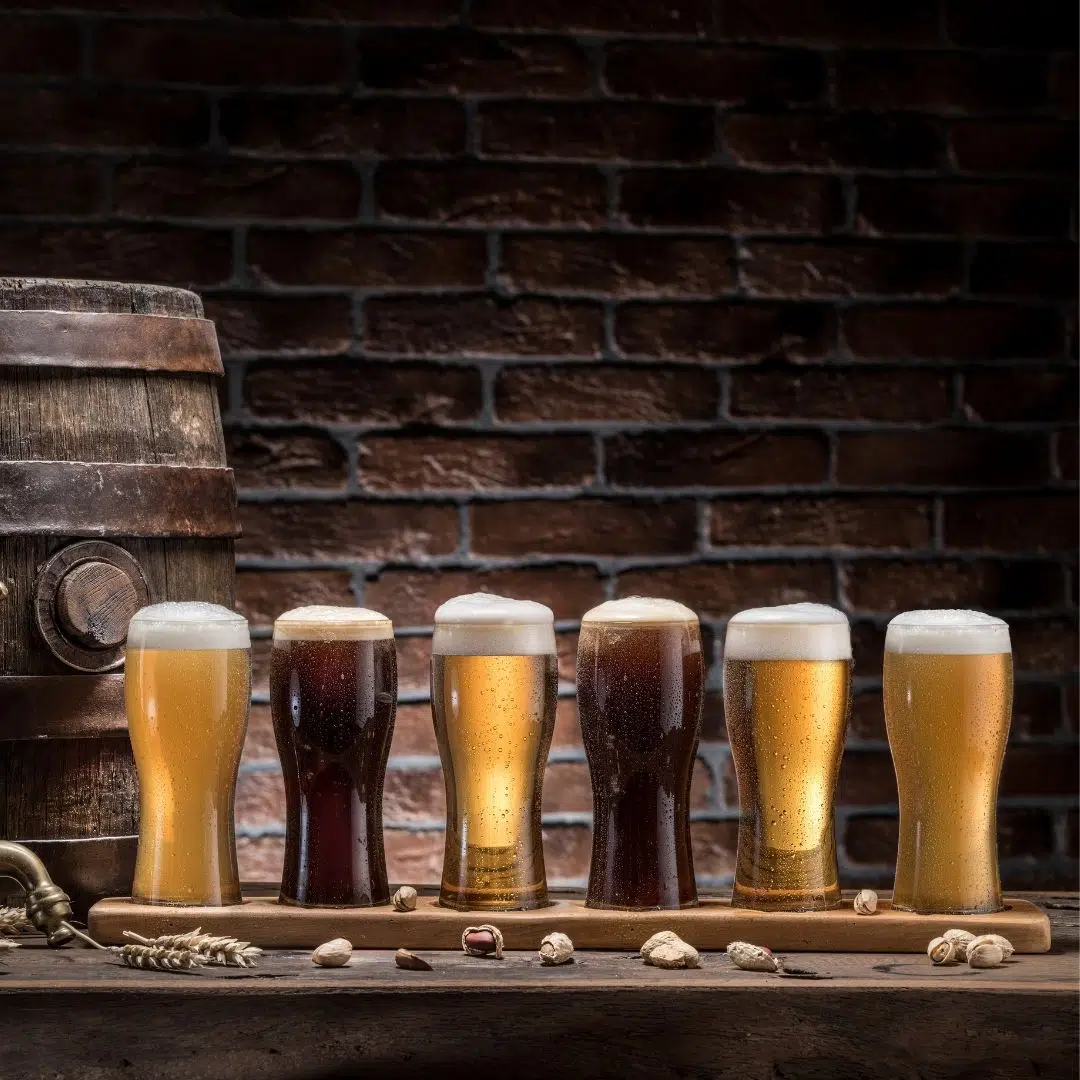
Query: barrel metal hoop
column 104, row 499
column 97, row 341
column 61, row 707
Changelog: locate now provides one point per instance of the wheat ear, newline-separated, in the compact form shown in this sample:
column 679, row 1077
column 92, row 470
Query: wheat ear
column 156, row 958
column 225, row 951
column 13, row 920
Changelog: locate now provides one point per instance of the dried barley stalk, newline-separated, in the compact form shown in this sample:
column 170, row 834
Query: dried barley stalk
column 13, row 920
column 158, row 958
column 225, row 951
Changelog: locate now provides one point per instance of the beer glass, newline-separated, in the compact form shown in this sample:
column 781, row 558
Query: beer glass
column 640, row 678
column 948, row 704
column 494, row 681
column 333, row 694
column 787, row 689
column 187, row 684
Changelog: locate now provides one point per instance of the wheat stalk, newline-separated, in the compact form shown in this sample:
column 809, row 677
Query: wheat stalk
column 13, row 920
column 157, row 958
column 225, row 951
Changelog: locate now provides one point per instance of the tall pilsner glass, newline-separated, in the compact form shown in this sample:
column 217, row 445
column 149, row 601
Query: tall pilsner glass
column 187, row 684
column 787, row 688
column 494, row 681
column 948, row 685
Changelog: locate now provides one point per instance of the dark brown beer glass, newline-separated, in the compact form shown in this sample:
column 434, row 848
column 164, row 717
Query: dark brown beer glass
column 640, row 679
column 333, row 695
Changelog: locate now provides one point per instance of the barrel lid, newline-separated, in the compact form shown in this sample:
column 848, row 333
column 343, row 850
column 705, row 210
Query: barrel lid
column 113, row 297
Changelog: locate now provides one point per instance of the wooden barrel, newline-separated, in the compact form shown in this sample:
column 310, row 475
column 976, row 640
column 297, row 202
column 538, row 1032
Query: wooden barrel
column 113, row 494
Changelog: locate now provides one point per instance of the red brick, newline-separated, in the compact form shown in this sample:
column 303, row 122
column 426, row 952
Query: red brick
column 1036, row 710
column 414, row 731
column 849, row 140
column 691, row 17
column 260, row 858
column 1012, row 523
column 103, row 117
column 475, row 462
column 248, row 55
column 222, row 188
column 1040, row 770
column 853, row 268
column 718, row 590
column 1025, row 270
column 329, row 125
column 1063, row 80
column 866, row 779
column 832, row 22
column 260, row 665
column 736, row 201
column 353, row 530
column 410, row 597
column 953, row 331
column 720, row 458
column 414, row 796
column 599, row 131
column 872, row 839
column 1072, row 839
column 1045, row 645
column 891, row 586
column 248, row 323
column 413, row 856
column 260, row 798
column 1020, row 394
column 962, row 208
column 134, row 253
column 567, row 852
column 462, row 61
column 180, row 8
column 285, row 459
column 793, row 521
column 262, row 595
column 867, row 716
column 867, row 648
column 939, row 81
column 567, row 727
column 1013, row 146
column 496, row 194
column 1024, row 834
column 735, row 76
column 584, row 527
column 608, row 392
column 351, row 391
column 39, row 47
column 620, row 265
column 389, row 12
column 479, row 326
column 725, row 330
column 260, row 745
column 414, row 664
column 715, row 845
column 39, row 185
column 943, row 458
column 1041, row 25
column 366, row 258
column 841, row 393
column 567, row 788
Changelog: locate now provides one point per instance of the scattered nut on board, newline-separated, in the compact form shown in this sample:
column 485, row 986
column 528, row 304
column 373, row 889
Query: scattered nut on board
column 404, row 899
column 752, row 957
column 555, row 949
column 984, row 954
column 941, row 951
column 410, row 961
column 334, row 953
column 866, row 902
column 484, row 940
column 667, row 950
column 961, row 939
column 1003, row 943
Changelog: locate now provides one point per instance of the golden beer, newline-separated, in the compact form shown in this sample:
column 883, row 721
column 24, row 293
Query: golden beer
column 494, row 682
column 787, row 683
column 948, row 705
column 187, row 684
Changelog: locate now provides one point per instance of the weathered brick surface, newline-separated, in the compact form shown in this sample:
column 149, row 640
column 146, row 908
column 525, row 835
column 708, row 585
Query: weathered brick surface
column 738, row 303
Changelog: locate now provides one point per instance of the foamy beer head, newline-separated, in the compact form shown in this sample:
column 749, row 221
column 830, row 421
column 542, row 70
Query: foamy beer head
column 323, row 622
column 187, row 625
column 948, row 633
column 789, row 632
column 482, row 624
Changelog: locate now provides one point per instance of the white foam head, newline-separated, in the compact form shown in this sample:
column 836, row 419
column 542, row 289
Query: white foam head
column 964, row 633
column 482, row 624
column 789, row 632
column 640, row 611
column 323, row 622
column 190, row 625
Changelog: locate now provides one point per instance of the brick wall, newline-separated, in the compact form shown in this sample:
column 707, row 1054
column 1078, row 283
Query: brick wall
column 738, row 303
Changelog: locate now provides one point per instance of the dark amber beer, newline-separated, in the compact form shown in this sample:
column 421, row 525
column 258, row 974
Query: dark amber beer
column 187, row 682
column 640, row 680
column 787, row 679
column 948, row 705
column 333, row 695
column 494, row 682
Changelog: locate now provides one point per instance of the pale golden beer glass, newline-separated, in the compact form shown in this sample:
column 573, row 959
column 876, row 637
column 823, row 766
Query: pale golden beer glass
column 948, row 684
column 187, row 683
column 494, row 682
column 787, row 690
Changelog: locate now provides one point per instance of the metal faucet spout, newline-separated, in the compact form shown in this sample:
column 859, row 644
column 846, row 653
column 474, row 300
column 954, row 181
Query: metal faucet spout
column 47, row 905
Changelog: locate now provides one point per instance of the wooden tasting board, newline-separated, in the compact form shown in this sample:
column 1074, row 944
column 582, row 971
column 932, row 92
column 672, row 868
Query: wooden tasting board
column 709, row 927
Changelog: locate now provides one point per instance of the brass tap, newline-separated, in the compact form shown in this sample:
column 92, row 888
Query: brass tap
column 47, row 905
